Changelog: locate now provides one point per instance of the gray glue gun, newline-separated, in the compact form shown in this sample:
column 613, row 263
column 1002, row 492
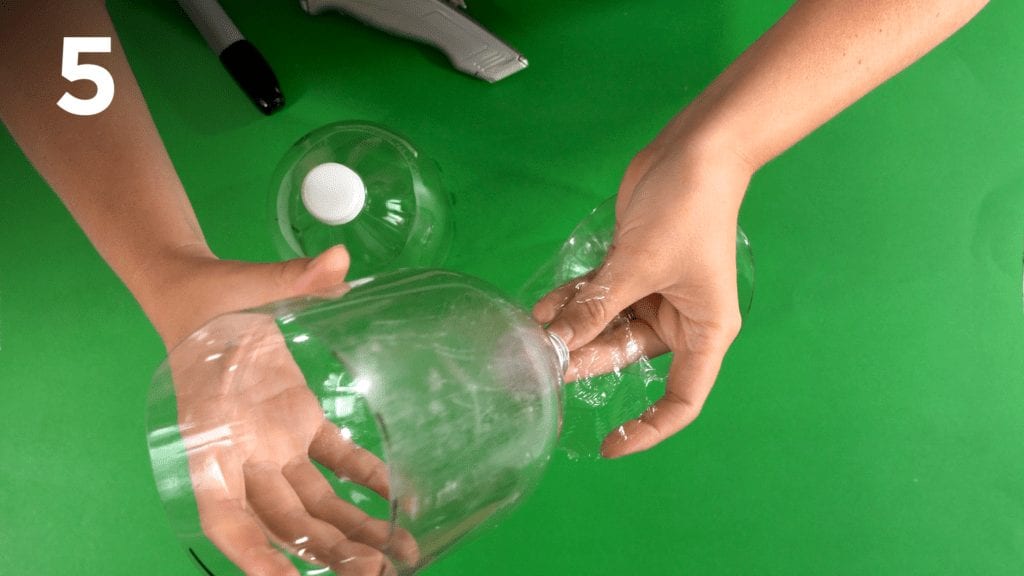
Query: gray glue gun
column 470, row 47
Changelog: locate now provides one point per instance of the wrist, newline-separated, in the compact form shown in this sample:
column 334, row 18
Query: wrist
column 162, row 287
column 709, row 164
column 709, row 139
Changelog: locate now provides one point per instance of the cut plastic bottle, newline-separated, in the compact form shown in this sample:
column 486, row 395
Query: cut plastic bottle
column 366, row 187
column 369, row 430
column 595, row 404
column 362, row 432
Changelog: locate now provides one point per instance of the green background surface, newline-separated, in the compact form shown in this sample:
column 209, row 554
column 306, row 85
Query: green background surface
column 868, row 420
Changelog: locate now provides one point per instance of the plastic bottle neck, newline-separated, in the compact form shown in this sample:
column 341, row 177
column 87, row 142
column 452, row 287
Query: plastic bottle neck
column 561, row 352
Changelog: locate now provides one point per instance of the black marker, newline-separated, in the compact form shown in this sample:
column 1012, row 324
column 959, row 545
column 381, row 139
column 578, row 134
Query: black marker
column 242, row 60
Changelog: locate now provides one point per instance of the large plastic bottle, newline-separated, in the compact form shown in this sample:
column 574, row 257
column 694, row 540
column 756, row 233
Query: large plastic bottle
column 364, row 186
column 401, row 412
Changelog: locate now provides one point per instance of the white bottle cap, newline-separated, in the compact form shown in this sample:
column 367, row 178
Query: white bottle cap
column 333, row 193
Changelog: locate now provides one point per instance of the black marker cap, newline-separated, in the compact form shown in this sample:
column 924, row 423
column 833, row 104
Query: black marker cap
column 253, row 74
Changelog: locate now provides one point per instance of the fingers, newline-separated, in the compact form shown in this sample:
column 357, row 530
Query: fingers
column 237, row 534
column 690, row 380
column 624, row 342
column 594, row 303
column 551, row 304
column 280, row 509
column 224, row 519
column 349, row 460
column 320, row 500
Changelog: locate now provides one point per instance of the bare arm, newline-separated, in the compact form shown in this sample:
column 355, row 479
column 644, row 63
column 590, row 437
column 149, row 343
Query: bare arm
column 110, row 169
column 113, row 173
column 822, row 56
column 680, row 198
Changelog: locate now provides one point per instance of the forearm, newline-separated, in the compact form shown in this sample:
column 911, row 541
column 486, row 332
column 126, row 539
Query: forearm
column 822, row 56
column 110, row 169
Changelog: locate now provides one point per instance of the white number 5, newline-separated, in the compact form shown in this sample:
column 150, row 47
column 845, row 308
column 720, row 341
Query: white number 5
column 98, row 75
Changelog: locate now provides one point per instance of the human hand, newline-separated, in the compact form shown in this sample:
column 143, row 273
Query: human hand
column 671, row 271
column 251, row 426
column 252, row 429
column 182, row 289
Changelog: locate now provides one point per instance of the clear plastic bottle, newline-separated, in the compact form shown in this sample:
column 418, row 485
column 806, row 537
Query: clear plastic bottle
column 400, row 413
column 595, row 404
column 363, row 186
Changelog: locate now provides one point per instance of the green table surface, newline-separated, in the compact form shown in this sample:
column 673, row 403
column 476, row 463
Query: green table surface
column 868, row 420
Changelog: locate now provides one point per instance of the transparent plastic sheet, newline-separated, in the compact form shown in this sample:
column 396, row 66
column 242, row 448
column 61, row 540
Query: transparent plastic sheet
column 364, row 432
column 599, row 400
column 405, row 221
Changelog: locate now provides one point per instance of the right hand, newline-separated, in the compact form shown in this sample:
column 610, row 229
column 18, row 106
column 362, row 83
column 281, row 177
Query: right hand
column 673, row 264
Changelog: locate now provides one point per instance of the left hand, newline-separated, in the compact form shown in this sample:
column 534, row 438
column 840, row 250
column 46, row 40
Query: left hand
column 252, row 429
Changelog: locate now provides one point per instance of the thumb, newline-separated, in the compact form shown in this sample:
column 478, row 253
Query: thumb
column 309, row 276
column 222, row 286
column 596, row 302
